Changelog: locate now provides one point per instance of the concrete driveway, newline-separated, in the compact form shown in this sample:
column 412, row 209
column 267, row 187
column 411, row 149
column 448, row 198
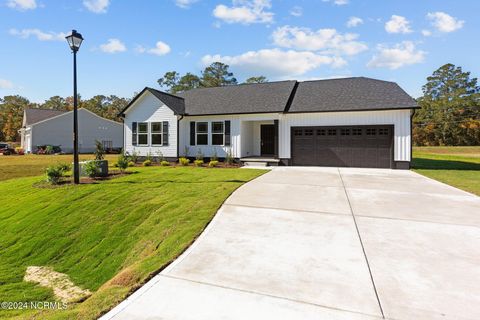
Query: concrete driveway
column 327, row 243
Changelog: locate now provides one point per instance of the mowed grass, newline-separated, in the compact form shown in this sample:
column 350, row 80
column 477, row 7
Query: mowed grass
column 456, row 166
column 108, row 237
column 15, row 166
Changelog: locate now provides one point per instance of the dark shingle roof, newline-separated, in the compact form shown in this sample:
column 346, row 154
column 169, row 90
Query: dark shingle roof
column 36, row 115
column 244, row 98
column 177, row 104
column 349, row 94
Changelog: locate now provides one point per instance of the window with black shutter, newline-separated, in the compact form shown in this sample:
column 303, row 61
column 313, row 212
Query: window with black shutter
column 134, row 133
column 165, row 133
column 227, row 133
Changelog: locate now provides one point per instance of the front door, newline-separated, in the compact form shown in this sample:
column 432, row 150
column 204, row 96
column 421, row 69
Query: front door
column 267, row 139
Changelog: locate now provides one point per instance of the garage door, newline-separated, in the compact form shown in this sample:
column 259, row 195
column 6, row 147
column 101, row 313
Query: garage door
column 343, row 146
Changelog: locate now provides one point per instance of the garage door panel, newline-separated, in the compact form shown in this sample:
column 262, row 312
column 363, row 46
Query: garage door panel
column 343, row 146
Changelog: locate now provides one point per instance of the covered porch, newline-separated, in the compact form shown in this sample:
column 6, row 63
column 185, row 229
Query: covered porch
column 259, row 142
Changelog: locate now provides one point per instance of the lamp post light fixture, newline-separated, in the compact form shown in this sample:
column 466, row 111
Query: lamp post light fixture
column 74, row 41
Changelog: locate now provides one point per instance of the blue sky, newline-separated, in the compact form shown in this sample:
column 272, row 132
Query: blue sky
column 130, row 44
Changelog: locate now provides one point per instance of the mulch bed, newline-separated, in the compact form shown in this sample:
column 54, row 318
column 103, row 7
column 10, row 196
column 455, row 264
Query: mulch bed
column 68, row 180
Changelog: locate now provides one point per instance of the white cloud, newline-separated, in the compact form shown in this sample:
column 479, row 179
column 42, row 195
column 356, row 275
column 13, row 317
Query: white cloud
column 328, row 40
column 185, row 4
column 395, row 57
column 245, row 12
column 426, row 33
column 113, row 46
column 96, row 6
column 296, row 11
column 444, row 22
column 22, row 4
column 276, row 63
column 40, row 35
column 337, row 2
column 161, row 49
column 5, row 84
column 398, row 24
column 354, row 22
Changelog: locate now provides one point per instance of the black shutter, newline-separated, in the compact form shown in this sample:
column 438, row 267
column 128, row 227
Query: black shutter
column 227, row 133
column 192, row 133
column 134, row 133
column 165, row 133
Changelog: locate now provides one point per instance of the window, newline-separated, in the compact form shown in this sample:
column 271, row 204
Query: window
column 297, row 132
column 371, row 132
column 156, row 133
column 345, row 132
column 356, row 132
column 383, row 132
column 321, row 132
column 202, row 133
column 309, row 132
column 218, row 130
column 142, row 135
column 332, row 132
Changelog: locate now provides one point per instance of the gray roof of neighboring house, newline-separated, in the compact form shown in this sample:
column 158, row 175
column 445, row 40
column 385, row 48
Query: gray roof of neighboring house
column 349, row 94
column 36, row 115
column 243, row 98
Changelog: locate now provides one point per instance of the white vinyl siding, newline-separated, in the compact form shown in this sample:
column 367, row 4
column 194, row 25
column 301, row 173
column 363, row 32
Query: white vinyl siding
column 399, row 118
column 151, row 110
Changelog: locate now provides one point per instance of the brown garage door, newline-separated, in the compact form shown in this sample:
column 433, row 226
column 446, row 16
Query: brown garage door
column 343, row 146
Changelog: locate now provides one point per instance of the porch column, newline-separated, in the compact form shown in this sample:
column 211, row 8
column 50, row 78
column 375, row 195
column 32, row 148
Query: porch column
column 275, row 149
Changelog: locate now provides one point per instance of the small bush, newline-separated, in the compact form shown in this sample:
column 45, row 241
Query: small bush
column 49, row 150
column 164, row 163
column 131, row 164
column 213, row 163
column 160, row 157
column 229, row 158
column 134, row 156
column 198, row 163
column 199, row 155
column 147, row 163
column 55, row 173
column 122, row 162
column 91, row 169
column 215, row 155
column 184, row 161
column 149, row 156
column 99, row 151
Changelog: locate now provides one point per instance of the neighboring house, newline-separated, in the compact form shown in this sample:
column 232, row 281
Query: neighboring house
column 51, row 127
column 357, row 122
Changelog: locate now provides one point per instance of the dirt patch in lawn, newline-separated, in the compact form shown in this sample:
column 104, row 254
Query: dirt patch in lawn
column 63, row 288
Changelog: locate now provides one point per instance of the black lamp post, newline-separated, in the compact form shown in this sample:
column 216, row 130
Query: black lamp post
column 74, row 41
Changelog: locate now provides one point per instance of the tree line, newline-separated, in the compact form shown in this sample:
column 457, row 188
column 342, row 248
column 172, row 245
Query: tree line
column 449, row 114
column 450, row 109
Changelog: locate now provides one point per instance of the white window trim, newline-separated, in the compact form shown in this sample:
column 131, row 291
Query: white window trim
column 160, row 133
column 223, row 133
column 202, row 133
column 147, row 133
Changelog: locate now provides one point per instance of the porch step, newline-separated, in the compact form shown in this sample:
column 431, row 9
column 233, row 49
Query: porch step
column 255, row 164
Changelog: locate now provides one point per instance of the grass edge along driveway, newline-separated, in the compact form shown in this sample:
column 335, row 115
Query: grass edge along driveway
column 109, row 237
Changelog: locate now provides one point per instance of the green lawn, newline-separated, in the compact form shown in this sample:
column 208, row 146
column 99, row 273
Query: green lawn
column 108, row 237
column 456, row 166
column 34, row 165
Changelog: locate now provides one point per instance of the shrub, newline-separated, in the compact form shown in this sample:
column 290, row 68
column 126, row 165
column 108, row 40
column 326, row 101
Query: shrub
column 149, row 156
column 198, row 163
column 134, row 156
column 131, row 164
column 199, row 155
column 64, row 167
column 91, row 169
column 99, row 151
column 147, row 163
column 49, row 150
column 160, row 157
column 122, row 162
column 215, row 155
column 186, row 151
column 229, row 157
column 184, row 161
column 55, row 173
column 164, row 163
column 213, row 163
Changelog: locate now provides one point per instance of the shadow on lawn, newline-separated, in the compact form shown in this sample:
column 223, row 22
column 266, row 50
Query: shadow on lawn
column 433, row 164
